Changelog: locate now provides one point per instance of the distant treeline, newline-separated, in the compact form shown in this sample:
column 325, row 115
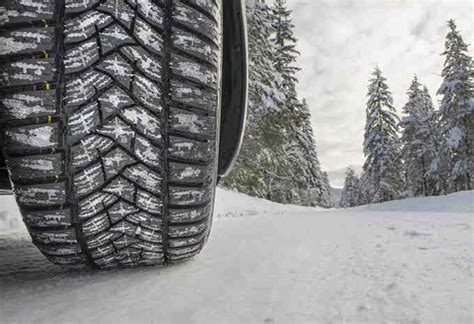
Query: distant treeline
column 427, row 152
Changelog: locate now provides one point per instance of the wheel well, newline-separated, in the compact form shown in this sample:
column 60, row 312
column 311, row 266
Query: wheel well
column 234, row 84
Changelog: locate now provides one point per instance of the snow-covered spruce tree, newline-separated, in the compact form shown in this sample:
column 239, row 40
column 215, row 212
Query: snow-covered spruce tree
column 456, row 121
column 436, row 181
column 261, row 151
column 417, row 142
column 325, row 198
column 304, row 179
column 315, row 183
column 350, row 191
column 431, row 145
column 382, row 168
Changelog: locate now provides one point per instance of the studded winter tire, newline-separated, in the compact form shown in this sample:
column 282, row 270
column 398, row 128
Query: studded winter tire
column 109, row 113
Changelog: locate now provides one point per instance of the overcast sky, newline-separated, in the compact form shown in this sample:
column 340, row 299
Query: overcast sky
column 342, row 41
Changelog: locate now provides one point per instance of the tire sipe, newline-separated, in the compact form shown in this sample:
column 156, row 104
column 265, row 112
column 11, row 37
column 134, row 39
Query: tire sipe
column 110, row 114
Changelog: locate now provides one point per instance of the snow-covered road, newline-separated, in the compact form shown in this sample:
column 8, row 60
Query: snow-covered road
column 407, row 261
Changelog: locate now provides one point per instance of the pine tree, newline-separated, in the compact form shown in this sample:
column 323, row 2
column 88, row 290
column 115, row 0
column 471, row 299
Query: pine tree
column 261, row 151
column 312, row 178
column 418, row 147
column 350, row 192
column 382, row 172
column 304, row 174
column 431, row 144
column 456, row 121
column 325, row 198
column 285, row 42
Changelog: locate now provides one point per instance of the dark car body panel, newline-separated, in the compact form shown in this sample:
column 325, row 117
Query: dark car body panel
column 234, row 84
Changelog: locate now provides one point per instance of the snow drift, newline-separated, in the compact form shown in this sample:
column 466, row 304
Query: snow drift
column 406, row 261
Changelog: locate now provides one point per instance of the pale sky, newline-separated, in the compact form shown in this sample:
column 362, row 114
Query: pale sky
column 342, row 41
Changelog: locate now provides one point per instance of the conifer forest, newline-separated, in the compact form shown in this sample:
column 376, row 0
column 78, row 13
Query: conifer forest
column 424, row 151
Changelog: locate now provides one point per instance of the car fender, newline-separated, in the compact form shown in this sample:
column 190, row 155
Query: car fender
column 234, row 84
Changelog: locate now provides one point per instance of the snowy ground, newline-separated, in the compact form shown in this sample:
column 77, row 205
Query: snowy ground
column 407, row 261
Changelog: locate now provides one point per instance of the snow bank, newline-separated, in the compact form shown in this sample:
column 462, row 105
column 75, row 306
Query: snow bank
column 400, row 262
column 460, row 202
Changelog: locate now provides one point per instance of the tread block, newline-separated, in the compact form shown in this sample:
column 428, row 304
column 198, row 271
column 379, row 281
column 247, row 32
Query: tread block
column 210, row 6
column 52, row 218
column 147, row 152
column 89, row 180
column 119, row 10
column 145, row 220
column 148, row 235
column 194, row 71
column 186, row 173
column 102, row 251
column 177, row 231
column 125, row 228
column 82, row 89
column 185, row 251
column 194, row 96
column 20, row 11
column 189, row 196
column 194, row 45
column 150, row 258
column 128, row 256
column 89, row 149
column 148, row 202
column 144, row 177
column 108, row 261
column 84, row 26
column 26, row 72
column 117, row 68
column 64, row 236
column 121, row 188
column 81, row 57
column 95, row 225
column 191, row 215
column 150, row 11
column 83, row 121
column 36, row 166
column 28, row 104
column 26, row 40
column 119, row 131
column 191, row 149
column 181, row 242
column 101, row 239
column 148, row 37
column 148, row 93
column 114, row 36
column 41, row 194
column 115, row 161
column 95, row 204
column 149, row 66
column 30, row 137
column 189, row 122
column 113, row 100
column 145, row 122
column 197, row 21
column 120, row 211
column 73, row 6
column 147, row 246
column 123, row 241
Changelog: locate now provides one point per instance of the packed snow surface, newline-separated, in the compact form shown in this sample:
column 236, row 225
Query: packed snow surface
column 407, row 261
